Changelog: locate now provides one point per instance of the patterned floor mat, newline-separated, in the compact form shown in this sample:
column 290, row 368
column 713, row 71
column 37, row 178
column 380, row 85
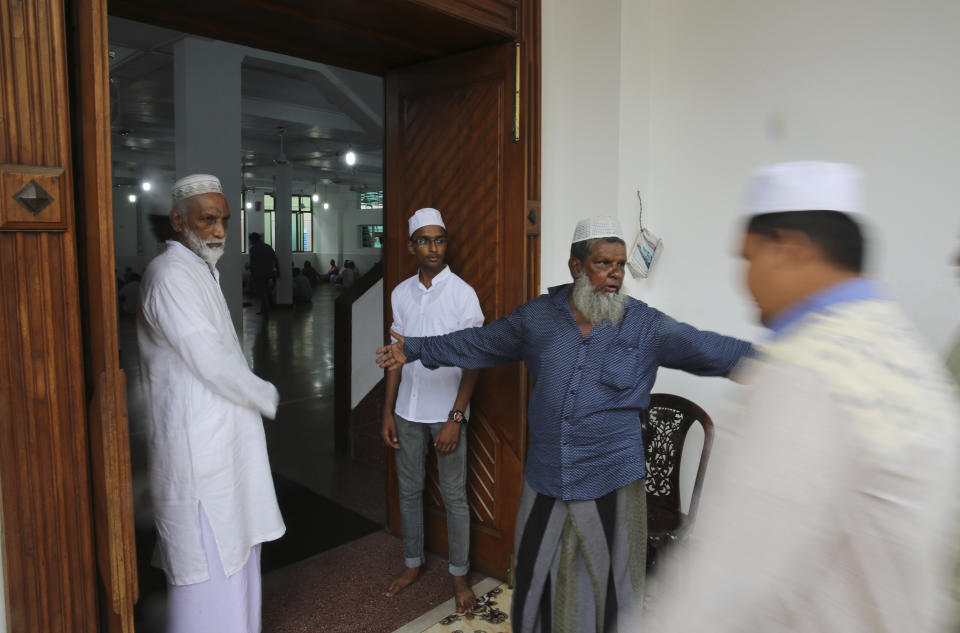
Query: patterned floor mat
column 491, row 615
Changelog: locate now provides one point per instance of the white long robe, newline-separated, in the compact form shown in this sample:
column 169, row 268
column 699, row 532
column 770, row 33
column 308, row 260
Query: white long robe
column 205, row 433
column 831, row 507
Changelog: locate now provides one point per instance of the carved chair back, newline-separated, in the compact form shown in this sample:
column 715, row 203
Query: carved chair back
column 665, row 426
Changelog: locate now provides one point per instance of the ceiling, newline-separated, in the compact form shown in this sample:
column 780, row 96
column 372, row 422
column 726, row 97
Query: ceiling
column 320, row 111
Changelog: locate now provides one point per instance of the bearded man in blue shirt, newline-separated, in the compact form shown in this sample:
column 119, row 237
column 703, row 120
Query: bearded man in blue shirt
column 592, row 353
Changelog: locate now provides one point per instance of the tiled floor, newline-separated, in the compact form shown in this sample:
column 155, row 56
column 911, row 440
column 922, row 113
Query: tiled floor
column 293, row 349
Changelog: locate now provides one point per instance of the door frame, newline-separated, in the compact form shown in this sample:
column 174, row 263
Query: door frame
column 89, row 104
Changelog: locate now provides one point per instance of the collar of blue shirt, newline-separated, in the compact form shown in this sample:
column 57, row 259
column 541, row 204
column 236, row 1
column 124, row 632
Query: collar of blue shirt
column 559, row 294
column 856, row 289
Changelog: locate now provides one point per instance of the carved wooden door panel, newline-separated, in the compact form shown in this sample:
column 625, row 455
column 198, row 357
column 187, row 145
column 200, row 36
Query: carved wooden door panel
column 450, row 144
column 64, row 462
column 106, row 382
column 48, row 553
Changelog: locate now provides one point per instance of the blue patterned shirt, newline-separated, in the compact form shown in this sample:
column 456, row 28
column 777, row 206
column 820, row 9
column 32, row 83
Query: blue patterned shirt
column 588, row 391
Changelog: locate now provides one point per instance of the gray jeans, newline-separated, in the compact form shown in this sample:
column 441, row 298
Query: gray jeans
column 415, row 438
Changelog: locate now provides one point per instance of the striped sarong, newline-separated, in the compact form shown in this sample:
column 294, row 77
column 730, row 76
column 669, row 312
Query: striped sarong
column 579, row 566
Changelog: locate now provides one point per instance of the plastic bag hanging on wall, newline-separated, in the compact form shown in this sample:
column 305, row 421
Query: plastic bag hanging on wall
column 645, row 249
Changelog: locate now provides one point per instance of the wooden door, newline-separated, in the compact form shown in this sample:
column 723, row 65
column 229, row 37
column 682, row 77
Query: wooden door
column 48, row 554
column 106, row 382
column 62, row 413
column 450, row 144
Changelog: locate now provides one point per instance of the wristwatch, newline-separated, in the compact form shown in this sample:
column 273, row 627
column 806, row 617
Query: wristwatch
column 457, row 416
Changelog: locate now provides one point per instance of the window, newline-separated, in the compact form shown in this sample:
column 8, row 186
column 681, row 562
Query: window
column 371, row 199
column 301, row 222
column 371, row 235
column 268, row 219
column 243, row 223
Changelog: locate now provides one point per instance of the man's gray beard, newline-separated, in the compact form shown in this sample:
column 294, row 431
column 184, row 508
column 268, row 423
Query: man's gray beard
column 598, row 307
column 204, row 252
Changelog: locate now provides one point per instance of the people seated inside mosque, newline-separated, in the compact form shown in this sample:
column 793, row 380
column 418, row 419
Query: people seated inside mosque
column 348, row 275
column 302, row 291
column 310, row 273
column 333, row 273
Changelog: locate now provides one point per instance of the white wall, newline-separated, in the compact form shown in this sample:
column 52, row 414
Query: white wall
column 367, row 326
column 683, row 99
column 337, row 233
column 134, row 242
column 580, row 88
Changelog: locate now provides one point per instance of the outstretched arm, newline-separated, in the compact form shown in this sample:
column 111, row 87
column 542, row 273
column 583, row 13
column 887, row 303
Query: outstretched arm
column 700, row 352
column 495, row 344
column 391, row 357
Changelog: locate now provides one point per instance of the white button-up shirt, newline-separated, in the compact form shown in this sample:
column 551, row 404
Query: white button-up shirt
column 448, row 305
column 204, row 430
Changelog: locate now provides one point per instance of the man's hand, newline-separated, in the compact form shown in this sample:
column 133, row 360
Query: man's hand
column 388, row 431
column 447, row 438
column 391, row 356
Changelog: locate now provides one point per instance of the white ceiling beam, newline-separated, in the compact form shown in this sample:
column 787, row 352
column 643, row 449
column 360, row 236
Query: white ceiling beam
column 292, row 113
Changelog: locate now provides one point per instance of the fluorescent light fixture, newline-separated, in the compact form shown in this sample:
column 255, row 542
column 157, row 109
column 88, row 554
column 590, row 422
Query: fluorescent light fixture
column 146, row 185
column 326, row 205
column 351, row 158
column 132, row 197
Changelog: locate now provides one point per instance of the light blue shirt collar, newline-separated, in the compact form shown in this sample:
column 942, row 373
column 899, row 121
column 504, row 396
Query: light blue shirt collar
column 856, row 289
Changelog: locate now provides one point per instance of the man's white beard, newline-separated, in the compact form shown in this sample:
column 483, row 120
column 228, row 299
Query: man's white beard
column 598, row 307
column 207, row 253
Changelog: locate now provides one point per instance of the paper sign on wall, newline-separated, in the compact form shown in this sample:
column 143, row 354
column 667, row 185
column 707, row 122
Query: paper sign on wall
column 644, row 251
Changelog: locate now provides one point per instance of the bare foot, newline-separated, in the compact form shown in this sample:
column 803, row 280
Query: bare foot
column 408, row 576
column 464, row 594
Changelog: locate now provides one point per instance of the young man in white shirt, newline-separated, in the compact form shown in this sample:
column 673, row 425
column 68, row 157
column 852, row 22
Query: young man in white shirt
column 425, row 405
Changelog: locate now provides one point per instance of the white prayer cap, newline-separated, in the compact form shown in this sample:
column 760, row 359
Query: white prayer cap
column 599, row 226
column 194, row 185
column 425, row 217
column 807, row 185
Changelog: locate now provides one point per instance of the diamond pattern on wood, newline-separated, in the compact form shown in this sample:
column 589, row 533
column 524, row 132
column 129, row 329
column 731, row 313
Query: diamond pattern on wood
column 462, row 184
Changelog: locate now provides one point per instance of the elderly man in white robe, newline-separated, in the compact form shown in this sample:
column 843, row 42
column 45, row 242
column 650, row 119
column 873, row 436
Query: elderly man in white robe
column 213, row 495
column 833, row 499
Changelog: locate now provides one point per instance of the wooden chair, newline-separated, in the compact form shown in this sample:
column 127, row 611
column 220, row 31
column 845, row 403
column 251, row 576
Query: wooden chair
column 665, row 425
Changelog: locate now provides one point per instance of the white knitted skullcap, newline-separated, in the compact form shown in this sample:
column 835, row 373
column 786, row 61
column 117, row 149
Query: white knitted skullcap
column 425, row 217
column 599, row 226
column 194, row 185
column 805, row 186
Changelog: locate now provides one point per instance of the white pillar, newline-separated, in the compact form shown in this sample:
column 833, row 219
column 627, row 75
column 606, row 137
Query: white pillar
column 340, row 212
column 207, row 114
column 284, row 235
column 254, row 217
